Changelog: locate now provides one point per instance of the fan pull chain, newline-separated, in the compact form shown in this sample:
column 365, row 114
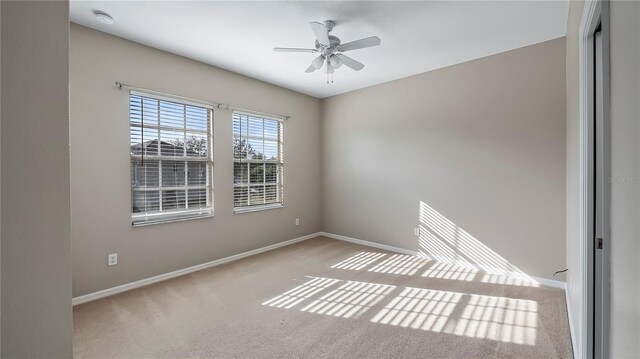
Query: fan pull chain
column 329, row 78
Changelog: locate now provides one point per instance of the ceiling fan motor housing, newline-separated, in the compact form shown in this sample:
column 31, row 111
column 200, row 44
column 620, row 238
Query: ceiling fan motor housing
column 334, row 42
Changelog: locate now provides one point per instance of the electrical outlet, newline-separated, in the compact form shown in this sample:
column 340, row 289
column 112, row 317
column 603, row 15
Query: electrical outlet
column 113, row 259
column 297, row 221
column 416, row 232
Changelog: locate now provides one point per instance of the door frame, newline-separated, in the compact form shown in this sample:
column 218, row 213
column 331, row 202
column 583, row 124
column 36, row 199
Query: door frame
column 595, row 15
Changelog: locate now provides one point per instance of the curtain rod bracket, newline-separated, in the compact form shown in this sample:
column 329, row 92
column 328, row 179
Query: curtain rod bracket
column 119, row 84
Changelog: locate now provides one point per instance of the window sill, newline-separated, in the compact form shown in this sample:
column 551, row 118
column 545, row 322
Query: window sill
column 239, row 210
column 169, row 220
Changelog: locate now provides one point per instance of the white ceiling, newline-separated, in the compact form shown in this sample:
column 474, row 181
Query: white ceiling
column 417, row 36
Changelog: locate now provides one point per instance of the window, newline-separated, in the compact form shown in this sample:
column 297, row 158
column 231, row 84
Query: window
column 257, row 162
column 171, row 159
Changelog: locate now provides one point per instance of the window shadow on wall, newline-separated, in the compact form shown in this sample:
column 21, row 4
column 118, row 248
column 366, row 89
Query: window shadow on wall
column 442, row 240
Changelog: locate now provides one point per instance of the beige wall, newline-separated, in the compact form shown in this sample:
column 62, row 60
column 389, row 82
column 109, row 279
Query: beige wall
column 36, row 253
column 625, row 164
column 482, row 143
column 100, row 198
column 573, row 166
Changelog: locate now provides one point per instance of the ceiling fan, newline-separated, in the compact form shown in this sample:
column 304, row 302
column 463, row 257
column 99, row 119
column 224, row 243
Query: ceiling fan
column 330, row 49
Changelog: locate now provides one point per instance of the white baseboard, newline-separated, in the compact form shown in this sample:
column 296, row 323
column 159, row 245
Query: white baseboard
column 544, row 281
column 370, row 244
column 550, row 282
column 162, row 277
column 574, row 343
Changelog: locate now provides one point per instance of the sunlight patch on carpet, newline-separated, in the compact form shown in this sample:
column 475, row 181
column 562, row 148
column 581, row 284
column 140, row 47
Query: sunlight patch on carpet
column 296, row 295
column 477, row 316
column 450, row 271
column 358, row 261
column 400, row 264
column 350, row 300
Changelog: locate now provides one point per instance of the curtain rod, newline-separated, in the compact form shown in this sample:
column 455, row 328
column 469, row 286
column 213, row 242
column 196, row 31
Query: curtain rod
column 209, row 103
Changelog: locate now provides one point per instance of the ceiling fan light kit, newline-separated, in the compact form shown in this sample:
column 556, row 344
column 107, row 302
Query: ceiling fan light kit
column 330, row 48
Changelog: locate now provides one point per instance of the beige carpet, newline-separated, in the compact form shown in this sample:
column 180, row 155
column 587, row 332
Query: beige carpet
column 324, row 298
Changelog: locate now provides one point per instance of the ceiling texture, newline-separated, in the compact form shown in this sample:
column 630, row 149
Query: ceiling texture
column 417, row 36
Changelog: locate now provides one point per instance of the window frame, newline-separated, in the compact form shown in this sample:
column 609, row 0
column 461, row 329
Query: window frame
column 279, row 162
column 174, row 214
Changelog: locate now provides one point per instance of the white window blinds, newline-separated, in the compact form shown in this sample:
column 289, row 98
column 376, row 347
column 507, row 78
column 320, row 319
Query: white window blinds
column 171, row 159
column 257, row 167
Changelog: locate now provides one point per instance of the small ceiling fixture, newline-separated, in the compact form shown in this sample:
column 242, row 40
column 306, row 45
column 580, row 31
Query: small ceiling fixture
column 103, row 17
column 328, row 46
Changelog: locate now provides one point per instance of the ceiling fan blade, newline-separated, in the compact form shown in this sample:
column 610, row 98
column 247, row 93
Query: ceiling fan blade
column 292, row 49
column 347, row 61
column 321, row 33
column 360, row 44
column 316, row 64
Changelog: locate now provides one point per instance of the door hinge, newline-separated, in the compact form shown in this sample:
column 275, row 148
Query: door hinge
column 598, row 243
